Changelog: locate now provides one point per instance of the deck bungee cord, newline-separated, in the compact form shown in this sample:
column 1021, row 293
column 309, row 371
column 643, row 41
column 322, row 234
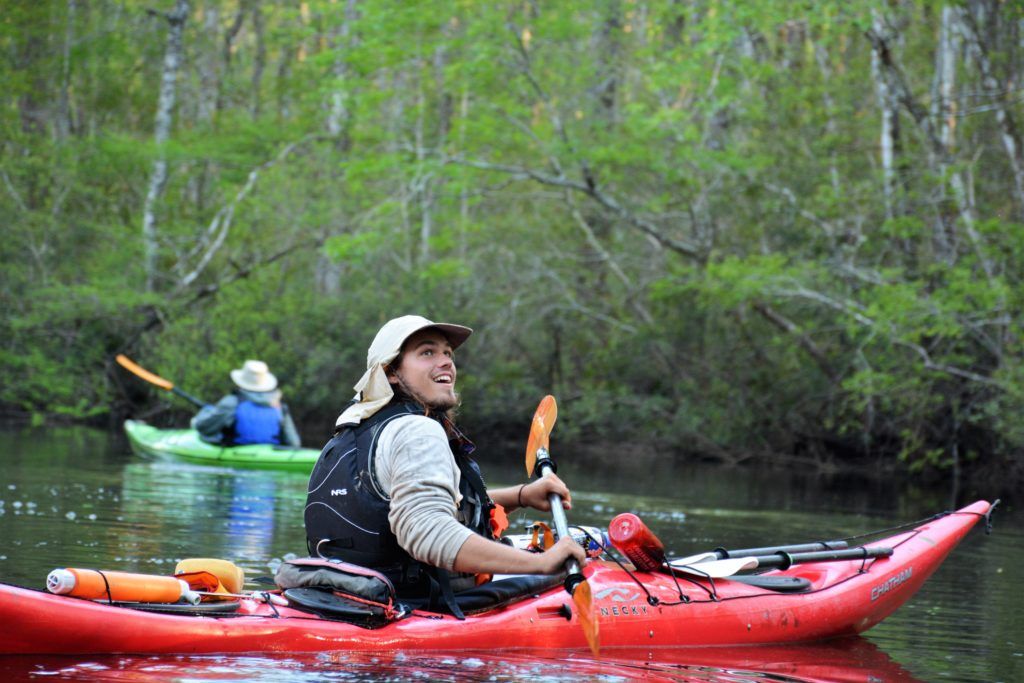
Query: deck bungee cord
column 987, row 516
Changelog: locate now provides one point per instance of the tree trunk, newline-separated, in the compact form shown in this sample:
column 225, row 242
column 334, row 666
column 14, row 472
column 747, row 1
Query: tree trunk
column 889, row 135
column 944, row 111
column 31, row 102
column 259, row 63
column 229, row 48
column 338, row 117
column 164, row 114
column 463, row 187
column 1007, row 123
column 64, row 124
column 208, row 65
column 430, row 185
column 897, row 85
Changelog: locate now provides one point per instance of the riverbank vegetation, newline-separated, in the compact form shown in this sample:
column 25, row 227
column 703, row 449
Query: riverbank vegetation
column 754, row 229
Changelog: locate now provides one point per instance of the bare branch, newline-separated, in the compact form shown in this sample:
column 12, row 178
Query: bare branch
column 852, row 309
column 220, row 225
column 572, row 303
column 930, row 364
column 13, row 192
column 646, row 226
column 805, row 342
column 790, row 196
column 606, row 258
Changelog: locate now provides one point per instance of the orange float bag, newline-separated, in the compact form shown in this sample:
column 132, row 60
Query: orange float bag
column 211, row 575
column 93, row 584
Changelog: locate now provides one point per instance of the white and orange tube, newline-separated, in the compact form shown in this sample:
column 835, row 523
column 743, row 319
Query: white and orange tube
column 93, row 584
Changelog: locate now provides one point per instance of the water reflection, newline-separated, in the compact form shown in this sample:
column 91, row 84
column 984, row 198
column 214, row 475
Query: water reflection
column 250, row 524
column 246, row 516
column 842, row 661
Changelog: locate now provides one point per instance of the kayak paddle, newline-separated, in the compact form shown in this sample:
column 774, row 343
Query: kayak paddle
column 723, row 554
column 781, row 560
column 136, row 369
column 538, row 461
column 540, row 429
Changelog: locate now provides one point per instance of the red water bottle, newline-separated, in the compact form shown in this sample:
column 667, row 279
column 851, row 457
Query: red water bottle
column 632, row 538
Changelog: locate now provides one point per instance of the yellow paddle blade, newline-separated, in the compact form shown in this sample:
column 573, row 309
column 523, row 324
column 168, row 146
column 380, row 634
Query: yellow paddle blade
column 130, row 365
column 540, row 429
column 584, row 602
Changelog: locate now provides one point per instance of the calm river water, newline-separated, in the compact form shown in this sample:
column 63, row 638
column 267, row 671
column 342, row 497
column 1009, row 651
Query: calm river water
column 78, row 497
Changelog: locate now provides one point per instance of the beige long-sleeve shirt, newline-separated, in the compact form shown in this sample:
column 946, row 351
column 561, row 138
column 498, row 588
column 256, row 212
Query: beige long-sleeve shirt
column 417, row 472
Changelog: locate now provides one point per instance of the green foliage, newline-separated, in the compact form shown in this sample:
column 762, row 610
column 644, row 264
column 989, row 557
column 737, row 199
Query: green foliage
column 529, row 169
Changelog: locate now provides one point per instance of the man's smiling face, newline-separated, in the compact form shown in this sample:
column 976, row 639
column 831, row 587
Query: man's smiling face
column 427, row 370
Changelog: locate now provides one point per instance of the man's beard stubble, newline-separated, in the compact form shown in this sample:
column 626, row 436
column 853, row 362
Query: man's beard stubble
column 443, row 405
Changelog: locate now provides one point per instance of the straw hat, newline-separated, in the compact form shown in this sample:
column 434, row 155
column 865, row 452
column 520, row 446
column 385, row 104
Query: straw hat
column 254, row 375
column 373, row 390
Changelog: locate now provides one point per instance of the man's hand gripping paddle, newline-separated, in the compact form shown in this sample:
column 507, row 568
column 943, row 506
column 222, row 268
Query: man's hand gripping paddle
column 539, row 462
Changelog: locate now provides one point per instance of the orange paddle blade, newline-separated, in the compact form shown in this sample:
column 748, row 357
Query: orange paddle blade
column 548, row 537
column 584, row 602
column 130, row 365
column 540, row 429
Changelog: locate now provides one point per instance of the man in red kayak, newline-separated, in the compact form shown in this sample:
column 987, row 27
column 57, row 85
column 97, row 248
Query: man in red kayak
column 253, row 413
column 396, row 489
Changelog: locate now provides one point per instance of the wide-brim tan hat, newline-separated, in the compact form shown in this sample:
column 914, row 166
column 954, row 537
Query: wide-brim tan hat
column 373, row 390
column 254, row 375
column 388, row 342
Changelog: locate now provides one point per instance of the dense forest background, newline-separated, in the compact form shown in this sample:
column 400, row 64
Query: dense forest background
column 729, row 229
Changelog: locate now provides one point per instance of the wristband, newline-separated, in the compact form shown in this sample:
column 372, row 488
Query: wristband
column 519, row 496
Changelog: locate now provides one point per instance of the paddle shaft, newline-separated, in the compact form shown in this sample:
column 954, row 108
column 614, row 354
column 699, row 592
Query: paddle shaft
column 188, row 397
column 721, row 569
column 724, row 554
column 557, row 513
column 784, row 560
column 575, row 583
column 259, row 596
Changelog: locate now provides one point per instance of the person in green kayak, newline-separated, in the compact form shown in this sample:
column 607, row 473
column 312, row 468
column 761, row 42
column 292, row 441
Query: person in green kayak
column 253, row 413
column 396, row 489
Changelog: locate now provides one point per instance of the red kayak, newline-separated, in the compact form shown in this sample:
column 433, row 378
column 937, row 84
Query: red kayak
column 639, row 609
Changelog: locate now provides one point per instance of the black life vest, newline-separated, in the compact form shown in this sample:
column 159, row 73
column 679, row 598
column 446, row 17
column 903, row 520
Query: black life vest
column 346, row 514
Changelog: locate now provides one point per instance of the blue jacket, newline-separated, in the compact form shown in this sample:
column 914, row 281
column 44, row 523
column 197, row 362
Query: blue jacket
column 220, row 423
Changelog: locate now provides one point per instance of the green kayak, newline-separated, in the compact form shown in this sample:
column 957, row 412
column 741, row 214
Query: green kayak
column 186, row 445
